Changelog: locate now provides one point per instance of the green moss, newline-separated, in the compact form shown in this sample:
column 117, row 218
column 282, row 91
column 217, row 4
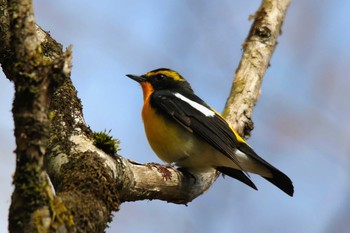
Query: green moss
column 91, row 187
column 106, row 142
column 61, row 214
column 51, row 115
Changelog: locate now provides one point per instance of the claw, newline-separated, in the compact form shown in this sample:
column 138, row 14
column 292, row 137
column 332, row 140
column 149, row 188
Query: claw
column 163, row 170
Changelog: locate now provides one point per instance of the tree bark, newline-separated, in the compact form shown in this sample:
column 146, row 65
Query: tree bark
column 63, row 182
column 257, row 52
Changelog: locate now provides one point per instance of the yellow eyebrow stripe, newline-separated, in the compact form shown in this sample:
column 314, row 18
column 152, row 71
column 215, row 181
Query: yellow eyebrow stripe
column 169, row 73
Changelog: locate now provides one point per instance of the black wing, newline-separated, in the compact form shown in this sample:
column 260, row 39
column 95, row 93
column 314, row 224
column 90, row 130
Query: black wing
column 216, row 131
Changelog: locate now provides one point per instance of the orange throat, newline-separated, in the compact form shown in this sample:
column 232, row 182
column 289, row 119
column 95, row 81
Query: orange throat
column 147, row 90
column 147, row 111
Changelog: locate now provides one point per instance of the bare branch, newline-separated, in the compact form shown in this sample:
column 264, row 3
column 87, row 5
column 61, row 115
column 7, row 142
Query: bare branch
column 164, row 183
column 257, row 52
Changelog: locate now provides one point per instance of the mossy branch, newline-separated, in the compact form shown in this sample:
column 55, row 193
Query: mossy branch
column 34, row 76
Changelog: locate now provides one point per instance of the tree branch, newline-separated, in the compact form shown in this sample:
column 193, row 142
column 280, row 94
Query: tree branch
column 34, row 77
column 257, row 52
column 177, row 187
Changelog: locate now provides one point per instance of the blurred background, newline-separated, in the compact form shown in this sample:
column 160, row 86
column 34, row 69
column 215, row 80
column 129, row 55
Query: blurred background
column 301, row 120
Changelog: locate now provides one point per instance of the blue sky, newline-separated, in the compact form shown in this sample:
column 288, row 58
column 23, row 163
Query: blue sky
column 301, row 119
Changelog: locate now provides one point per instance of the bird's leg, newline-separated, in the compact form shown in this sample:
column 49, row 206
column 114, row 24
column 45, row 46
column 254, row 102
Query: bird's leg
column 186, row 173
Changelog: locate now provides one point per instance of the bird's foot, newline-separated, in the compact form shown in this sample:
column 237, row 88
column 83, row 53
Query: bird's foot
column 162, row 169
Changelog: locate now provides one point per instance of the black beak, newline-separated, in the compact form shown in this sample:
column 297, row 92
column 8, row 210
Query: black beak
column 138, row 79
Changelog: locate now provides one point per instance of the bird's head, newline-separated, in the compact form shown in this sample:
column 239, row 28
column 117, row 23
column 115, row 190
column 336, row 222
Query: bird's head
column 161, row 79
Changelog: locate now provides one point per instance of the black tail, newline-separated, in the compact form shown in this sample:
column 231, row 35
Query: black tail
column 278, row 178
column 281, row 181
column 237, row 174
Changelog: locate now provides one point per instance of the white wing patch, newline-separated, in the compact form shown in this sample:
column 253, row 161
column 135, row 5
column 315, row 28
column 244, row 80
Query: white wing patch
column 206, row 111
column 242, row 157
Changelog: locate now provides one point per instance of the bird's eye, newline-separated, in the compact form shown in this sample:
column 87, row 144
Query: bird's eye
column 160, row 77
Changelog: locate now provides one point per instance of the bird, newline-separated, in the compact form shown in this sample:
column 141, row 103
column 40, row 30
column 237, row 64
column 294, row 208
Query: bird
column 185, row 131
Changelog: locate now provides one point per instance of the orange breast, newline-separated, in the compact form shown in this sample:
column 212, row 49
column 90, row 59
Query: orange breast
column 167, row 139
